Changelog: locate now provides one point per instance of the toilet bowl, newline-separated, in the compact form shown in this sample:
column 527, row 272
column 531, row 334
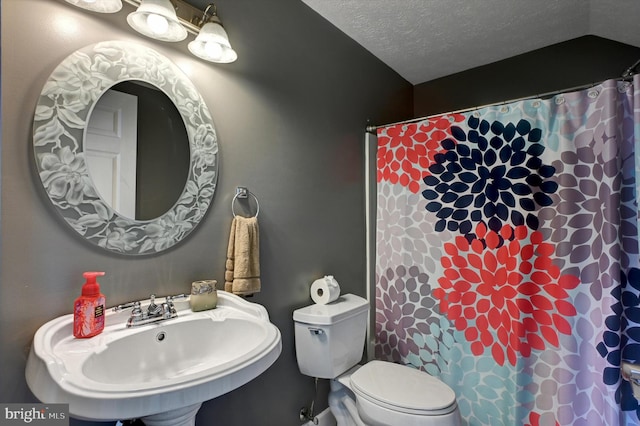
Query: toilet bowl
column 329, row 344
column 382, row 393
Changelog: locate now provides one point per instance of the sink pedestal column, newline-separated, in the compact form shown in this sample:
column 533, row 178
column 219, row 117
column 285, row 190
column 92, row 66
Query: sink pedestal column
column 181, row 417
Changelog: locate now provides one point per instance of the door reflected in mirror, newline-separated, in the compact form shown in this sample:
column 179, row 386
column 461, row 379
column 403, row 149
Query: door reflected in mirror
column 137, row 150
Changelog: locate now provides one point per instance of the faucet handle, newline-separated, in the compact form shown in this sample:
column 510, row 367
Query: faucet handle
column 170, row 299
column 168, row 310
column 136, row 314
column 124, row 306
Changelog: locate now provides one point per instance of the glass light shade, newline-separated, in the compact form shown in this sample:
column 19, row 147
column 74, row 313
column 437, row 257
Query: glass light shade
column 157, row 19
column 101, row 6
column 212, row 44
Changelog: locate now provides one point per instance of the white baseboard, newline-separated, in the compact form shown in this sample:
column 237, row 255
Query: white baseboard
column 324, row 419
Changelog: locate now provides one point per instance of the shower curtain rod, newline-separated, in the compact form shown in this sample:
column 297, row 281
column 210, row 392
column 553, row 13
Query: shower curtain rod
column 625, row 76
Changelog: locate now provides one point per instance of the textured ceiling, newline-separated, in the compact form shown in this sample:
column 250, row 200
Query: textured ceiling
column 426, row 39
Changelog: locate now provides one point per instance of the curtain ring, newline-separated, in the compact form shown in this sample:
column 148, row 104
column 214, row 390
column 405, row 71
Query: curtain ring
column 244, row 194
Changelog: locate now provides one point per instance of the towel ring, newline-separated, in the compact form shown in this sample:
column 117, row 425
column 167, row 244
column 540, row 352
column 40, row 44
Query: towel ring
column 242, row 192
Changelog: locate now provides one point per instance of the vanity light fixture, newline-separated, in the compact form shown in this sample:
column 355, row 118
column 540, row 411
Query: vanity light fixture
column 171, row 20
column 101, row 6
column 212, row 43
column 157, row 19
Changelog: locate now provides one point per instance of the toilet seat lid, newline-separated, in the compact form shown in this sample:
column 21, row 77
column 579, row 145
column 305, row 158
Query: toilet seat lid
column 402, row 388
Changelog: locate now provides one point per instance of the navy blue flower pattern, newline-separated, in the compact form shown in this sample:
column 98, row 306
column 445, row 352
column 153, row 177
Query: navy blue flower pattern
column 621, row 339
column 491, row 173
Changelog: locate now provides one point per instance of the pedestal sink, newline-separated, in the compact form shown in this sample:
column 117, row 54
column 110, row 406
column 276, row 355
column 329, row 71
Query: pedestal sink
column 160, row 373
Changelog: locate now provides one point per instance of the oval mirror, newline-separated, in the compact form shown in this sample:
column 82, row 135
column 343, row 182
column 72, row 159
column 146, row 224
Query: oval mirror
column 64, row 108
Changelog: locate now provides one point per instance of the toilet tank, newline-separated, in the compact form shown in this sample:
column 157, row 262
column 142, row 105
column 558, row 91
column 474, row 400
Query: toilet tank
column 330, row 338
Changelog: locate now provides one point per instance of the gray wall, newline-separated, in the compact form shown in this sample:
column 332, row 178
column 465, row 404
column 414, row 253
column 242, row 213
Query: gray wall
column 584, row 60
column 290, row 116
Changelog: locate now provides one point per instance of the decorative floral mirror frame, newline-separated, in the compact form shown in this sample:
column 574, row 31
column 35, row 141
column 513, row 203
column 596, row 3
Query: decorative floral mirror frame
column 64, row 108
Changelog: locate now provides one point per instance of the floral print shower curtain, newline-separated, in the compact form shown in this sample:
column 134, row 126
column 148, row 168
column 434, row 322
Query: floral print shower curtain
column 507, row 255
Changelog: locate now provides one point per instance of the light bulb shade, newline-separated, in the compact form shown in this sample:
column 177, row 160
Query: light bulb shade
column 101, row 6
column 212, row 44
column 161, row 12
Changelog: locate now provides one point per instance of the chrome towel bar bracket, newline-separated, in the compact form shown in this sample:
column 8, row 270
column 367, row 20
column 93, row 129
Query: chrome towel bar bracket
column 242, row 192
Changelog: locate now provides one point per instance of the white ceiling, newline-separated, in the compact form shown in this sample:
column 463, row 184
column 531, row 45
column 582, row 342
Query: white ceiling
column 426, row 39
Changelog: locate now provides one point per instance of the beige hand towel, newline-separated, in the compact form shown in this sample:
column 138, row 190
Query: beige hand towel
column 242, row 275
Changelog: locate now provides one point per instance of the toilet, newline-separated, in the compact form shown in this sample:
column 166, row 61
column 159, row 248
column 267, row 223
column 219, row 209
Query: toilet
column 329, row 345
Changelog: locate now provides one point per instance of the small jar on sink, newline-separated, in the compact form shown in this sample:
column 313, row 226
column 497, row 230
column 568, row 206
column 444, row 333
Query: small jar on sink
column 203, row 295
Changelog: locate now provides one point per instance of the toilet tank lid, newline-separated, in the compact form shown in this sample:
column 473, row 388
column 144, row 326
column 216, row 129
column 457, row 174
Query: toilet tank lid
column 345, row 307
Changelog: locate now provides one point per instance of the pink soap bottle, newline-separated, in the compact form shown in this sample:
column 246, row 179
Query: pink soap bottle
column 89, row 309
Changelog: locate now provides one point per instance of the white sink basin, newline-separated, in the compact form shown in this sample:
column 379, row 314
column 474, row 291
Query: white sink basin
column 153, row 370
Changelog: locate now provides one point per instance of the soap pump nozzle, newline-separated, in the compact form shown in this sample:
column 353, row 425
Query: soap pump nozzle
column 91, row 286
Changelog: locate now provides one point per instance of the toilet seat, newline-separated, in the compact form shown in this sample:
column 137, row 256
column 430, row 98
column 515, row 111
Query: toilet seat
column 403, row 389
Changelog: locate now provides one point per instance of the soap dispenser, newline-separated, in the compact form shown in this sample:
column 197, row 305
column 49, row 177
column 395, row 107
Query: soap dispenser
column 89, row 308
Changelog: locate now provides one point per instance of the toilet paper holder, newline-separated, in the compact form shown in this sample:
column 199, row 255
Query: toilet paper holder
column 631, row 373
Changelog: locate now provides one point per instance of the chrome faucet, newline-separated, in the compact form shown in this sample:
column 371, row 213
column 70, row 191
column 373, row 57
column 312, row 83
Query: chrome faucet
column 153, row 313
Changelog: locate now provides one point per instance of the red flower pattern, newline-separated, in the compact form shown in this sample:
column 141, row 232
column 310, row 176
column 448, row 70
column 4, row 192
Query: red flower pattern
column 405, row 151
column 505, row 293
column 534, row 420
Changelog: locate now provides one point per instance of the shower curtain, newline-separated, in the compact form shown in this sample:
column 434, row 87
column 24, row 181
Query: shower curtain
column 507, row 255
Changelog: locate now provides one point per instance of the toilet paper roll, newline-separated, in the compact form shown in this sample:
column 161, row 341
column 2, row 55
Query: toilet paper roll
column 325, row 290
